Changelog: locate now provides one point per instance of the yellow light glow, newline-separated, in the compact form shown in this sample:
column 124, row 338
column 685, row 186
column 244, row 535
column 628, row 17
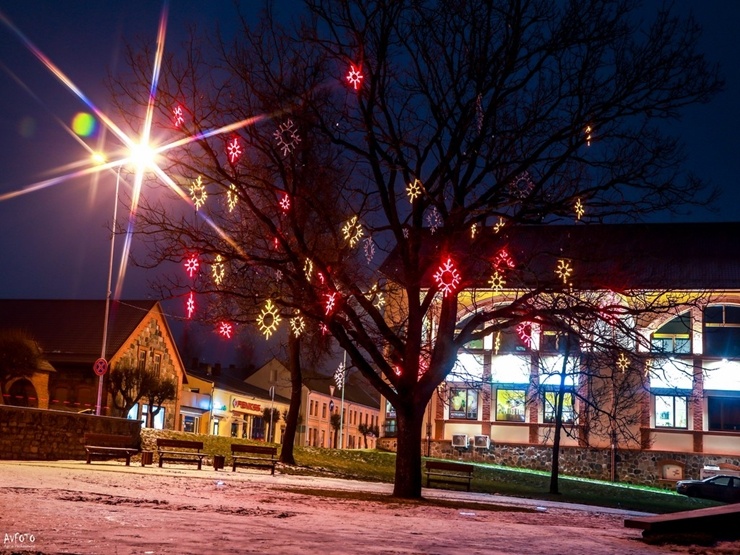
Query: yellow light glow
column 98, row 158
column 268, row 319
column 141, row 157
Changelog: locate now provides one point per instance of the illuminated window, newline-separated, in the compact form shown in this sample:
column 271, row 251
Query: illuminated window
column 555, row 341
column 215, row 427
column 671, row 411
column 510, row 405
column 464, row 403
column 550, row 399
column 157, row 364
column 674, row 336
column 190, row 424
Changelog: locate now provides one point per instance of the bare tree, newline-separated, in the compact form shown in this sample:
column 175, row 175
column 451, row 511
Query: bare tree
column 20, row 356
column 157, row 390
column 127, row 384
column 414, row 131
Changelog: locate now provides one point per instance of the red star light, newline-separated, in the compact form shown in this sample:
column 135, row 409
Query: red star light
column 191, row 265
column 190, row 305
column 354, row 76
column 225, row 329
column 447, row 277
column 234, row 150
column 285, row 203
column 177, row 116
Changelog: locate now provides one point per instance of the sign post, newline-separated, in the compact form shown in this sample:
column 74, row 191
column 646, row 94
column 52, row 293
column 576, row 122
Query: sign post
column 100, row 368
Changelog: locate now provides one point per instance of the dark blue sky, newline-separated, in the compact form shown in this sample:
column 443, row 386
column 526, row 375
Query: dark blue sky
column 54, row 242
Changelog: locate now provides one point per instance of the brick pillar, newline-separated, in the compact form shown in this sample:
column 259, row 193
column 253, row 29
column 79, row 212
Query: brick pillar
column 534, row 397
column 645, row 439
column 439, row 412
column 486, row 415
column 697, row 404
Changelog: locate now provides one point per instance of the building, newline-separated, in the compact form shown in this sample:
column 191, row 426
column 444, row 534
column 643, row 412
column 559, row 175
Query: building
column 70, row 334
column 320, row 398
column 688, row 393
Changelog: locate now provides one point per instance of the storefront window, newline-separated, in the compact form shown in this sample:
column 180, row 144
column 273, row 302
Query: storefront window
column 190, row 423
column 670, row 411
column 550, row 400
column 510, row 405
column 464, row 403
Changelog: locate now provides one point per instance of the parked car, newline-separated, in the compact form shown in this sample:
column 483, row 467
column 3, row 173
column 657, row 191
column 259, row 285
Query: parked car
column 720, row 488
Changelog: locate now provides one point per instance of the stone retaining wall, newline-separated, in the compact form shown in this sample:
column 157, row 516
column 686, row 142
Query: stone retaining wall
column 40, row 434
column 633, row 466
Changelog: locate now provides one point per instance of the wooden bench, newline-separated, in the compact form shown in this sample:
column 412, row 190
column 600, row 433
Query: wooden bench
column 718, row 522
column 444, row 472
column 259, row 456
column 194, row 454
column 110, row 445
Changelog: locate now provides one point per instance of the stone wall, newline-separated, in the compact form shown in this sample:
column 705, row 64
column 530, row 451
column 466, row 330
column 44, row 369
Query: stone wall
column 38, row 434
column 632, row 466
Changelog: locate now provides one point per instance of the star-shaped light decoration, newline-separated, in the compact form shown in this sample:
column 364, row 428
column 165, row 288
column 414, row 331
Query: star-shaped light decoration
column 190, row 304
column 268, row 319
column 339, row 376
column 369, row 246
column 178, row 116
column 287, row 138
column 497, row 281
column 331, row 302
column 352, row 231
column 405, row 232
column 474, row 230
column 579, row 209
column 524, row 331
column 308, row 268
column 278, row 275
column 498, row 225
column 434, row 220
column 217, row 270
column 413, row 190
column 232, row 197
column 225, row 329
column 285, row 203
column 564, row 270
column 198, row 192
column 503, row 260
column 497, row 343
column 376, row 294
column 324, row 329
column 297, row 324
column 191, row 265
column 447, row 277
column 587, row 132
column 522, row 185
column 354, row 76
column 234, row 150
column 623, row 363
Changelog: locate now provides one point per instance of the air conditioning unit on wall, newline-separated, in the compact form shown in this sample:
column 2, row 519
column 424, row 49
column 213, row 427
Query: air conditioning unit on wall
column 482, row 442
column 460, row 440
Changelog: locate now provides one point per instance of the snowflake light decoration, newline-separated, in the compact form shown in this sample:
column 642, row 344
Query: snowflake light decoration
column 217, row 270
column 564, row 270
column 405, row 232
column 413, row 190
column 308, row 268
column 503, row 260
column 234, row 150
column 190, row 305
column 268, row 319
column 474, row 230
column 278, row 275
column 447, row 277
column 522, row 185
column 623, row 363
column 297, row 325
column 198, row 192
column 191, row 265
column 324, row 329
column 587, row 132
column 352, row 231
column 579, row 210
column 434, row 220
column 339, row 376
column 178, row 116
column 497, row 343
column 287, row 138
column 524, row 331
column 285, row 203
column 354, row 76
column 331, row 302
column 500, row 224
column 377, row 294
column 497, row 281
column 225, row 329
column 232, row 197
column 369, row 247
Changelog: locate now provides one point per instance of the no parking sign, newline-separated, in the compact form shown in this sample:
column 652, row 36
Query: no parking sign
column 100, row 367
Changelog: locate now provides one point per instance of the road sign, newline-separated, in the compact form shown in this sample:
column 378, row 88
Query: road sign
column 100, row 367
column 331, row 406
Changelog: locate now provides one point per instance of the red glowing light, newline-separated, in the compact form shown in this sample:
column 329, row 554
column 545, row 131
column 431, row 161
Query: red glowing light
column 503, row 260
column 178, row 116
column 225, row 329
column 331, row 302
column 354, row 76
column 285, row 203
column 190, row 305
column 447, row 277
column 524, row 331
column 234, row 150
column 191, row 265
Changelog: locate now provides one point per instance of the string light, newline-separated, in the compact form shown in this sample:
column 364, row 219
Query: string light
column 434, row 220
column 308, row 268
column 522, row 185
column 497, row 343
column 331, row 302
column 623, row 363
column 503, row 260
column 369, row 247
column 588, row 135
column 524, row 331
column 473, row 230
column 500, row 224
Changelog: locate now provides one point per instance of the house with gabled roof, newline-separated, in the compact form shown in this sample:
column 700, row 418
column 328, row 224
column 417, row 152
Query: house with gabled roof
column 70, row 335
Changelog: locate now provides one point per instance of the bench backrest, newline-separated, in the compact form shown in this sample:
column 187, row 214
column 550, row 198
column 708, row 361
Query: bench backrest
column 110, row 440
column 179, row 444
column 257, row 449
column 450, row 466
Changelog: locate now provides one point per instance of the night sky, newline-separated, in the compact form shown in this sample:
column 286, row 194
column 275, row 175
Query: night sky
column 55, row 242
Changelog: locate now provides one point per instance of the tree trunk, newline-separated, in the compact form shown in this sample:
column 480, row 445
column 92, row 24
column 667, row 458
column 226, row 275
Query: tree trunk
column 555, row 468
column 408, row 456
column 296, row 384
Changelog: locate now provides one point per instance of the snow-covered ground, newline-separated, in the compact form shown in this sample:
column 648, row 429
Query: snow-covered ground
column 108, row 508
